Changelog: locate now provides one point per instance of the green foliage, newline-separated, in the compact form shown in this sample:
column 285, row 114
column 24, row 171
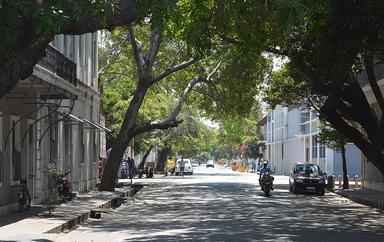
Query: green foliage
column 230, row 94
column 52, row 202
column 331, row 137
column 282, row 89
column 53, row 170
column 232, row 134
column 192, row 136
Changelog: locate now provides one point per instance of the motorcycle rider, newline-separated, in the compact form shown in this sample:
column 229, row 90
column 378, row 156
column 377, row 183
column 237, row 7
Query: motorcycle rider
column 264, row 170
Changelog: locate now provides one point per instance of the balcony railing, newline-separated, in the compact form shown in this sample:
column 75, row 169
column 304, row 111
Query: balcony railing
column 59, row 64
column 362, row 77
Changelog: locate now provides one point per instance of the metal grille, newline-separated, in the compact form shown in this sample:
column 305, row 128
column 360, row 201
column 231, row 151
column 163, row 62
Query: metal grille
column 57, row 63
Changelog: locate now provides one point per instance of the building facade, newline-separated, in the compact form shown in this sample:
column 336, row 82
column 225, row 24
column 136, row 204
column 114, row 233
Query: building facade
column 52, row 116
column 292, row 136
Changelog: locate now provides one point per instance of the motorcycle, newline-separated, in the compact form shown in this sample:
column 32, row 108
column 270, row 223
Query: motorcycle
column 64, row 188
column 266, row 183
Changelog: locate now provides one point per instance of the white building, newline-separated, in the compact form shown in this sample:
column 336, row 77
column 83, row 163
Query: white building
column 53, row 115
column 292, row 136
column 371, row 176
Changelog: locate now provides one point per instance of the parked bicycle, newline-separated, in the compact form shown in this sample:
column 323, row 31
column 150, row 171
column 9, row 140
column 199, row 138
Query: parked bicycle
column 24, row 197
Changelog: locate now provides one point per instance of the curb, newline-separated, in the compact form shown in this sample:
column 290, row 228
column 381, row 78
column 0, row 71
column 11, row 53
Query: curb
column 113, row 202
column 367, row 202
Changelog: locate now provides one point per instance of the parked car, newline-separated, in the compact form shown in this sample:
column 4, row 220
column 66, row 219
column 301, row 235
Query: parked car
column 210, row 163
column 307, row 177
column 188, row 169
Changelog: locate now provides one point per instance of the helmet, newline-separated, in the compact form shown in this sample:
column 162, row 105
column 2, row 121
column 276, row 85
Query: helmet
column 265, row 162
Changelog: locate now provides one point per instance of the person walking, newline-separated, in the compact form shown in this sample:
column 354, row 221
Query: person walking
column 131, row 168
column 182, row 167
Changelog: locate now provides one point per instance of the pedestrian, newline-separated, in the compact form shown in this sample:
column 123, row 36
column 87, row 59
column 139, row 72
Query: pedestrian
column 253, row 166
column 182, row 167
column 124, row 169
column 131, row 168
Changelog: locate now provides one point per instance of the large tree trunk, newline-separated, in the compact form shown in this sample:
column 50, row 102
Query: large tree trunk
column 345, row 172
column 122, row 140
column 20, row 66
column 142, row 163
column 163, row 157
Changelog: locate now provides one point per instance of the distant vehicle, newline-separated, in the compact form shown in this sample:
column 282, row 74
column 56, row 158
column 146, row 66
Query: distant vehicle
column 188, row 169
column 307, row 177
column 210, row 163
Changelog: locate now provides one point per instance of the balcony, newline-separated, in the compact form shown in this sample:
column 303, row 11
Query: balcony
column 57, row 63
column 362, row 77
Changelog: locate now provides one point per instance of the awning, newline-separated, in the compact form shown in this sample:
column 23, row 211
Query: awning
column 84, row 121
column 95, row 125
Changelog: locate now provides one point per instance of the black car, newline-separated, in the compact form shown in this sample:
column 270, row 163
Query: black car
column 306, row 177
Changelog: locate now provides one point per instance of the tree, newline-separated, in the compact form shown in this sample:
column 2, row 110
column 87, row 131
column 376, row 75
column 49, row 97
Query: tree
column 332, row 48
column 145, row 61
column 335, row 140
column 27, row 27
column 233, row 133
column 231, row 92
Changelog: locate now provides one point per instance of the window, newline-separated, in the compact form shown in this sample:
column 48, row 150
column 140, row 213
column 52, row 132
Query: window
column 67, row 145
column 314, row 114
column 94, row 146
column 53, row 129
column 15, row 149
column 269, row 152
column 314, row 146
column 81, row 142
column 91, row 110
column 322, row 151
column 282, row 151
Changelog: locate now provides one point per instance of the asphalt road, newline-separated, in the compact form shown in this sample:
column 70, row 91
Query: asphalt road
column 221, row 205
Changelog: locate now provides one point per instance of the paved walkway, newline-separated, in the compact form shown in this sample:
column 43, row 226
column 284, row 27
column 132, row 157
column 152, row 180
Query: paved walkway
column 64, row 217
column 365, row 196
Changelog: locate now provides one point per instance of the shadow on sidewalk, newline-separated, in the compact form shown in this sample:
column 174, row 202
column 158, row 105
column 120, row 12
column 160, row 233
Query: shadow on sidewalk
column 14, row 217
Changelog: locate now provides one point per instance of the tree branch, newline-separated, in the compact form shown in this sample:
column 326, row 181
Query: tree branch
column 171, row 121
column 137, row 52
column 105, row 68
column 154, row 46
column 210, row 75
column 368, row 61
column 352, row 134
column 313, row 104
column 173, row 63
column 146, row 127
column 174, row 69
column 126, row 13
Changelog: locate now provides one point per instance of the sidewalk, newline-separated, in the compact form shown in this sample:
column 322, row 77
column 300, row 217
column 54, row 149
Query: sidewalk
column 364, row 196
column 65, row 217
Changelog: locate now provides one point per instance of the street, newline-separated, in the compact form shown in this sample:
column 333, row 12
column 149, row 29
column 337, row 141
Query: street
column 216, row 204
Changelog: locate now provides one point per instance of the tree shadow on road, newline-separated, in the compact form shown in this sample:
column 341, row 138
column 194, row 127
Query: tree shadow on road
column 239, row 212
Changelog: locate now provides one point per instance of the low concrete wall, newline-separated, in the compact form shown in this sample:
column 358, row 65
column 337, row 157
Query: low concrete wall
column 378, row 186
